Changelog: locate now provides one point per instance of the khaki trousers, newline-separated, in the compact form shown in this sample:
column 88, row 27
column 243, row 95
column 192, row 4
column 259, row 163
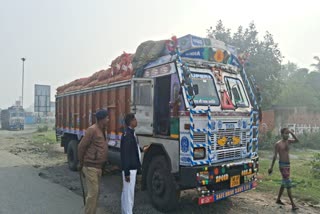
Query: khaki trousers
column 92, row 180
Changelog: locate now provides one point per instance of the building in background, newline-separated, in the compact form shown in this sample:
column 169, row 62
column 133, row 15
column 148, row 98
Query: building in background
column 299, row 119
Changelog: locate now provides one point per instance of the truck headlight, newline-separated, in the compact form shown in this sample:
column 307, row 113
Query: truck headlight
column 199, row 153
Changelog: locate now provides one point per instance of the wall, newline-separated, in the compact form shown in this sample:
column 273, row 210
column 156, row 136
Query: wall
column 300, row 119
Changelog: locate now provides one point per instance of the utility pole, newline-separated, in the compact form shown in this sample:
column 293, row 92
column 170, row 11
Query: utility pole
column 23, row 59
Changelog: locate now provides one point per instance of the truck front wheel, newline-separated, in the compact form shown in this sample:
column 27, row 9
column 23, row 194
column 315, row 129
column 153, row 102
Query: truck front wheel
column 72, row 153
column 162, row 188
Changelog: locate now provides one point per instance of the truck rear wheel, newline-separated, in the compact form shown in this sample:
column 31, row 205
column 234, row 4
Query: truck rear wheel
column 72, row 153
column 162, row 188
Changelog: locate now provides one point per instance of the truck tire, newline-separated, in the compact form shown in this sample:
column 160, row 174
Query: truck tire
column 72, row 153
column 162, row 188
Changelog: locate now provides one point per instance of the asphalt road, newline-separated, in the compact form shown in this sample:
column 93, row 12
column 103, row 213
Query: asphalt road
column 24, row 192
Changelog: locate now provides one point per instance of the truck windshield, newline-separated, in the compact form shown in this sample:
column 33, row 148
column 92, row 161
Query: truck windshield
column 236, row 92
column 207, row 94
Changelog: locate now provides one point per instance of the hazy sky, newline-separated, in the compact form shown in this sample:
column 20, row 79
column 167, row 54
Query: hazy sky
column 67, row 39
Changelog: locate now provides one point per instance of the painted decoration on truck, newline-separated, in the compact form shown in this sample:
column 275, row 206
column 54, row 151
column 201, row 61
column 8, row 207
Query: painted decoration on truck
column 189, row 41
column 114, row 143
column 218, row 56
column 197, row 41
column 160, row 61
column 230, row 125
column 159, row 71
column 90, row 118
column 213, row 125
column 210, row 54
column 198, row 53
column 234, row 61
column 184, row 144
column 185, row 157
column 185, row 160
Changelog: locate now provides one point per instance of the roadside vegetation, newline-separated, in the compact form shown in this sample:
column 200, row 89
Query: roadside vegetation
column 305, row 172
column 307, row 141
column 305, row 167
column 44, row 135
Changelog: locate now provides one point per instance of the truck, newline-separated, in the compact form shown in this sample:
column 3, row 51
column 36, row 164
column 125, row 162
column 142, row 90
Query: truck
column 195, row 108
column 12, row 118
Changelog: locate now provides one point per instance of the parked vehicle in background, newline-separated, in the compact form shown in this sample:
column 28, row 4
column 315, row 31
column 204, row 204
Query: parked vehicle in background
column 12, row 118
column 195, row 108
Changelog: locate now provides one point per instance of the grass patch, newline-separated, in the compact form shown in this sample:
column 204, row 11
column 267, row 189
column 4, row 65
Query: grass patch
column 43, row 128
column 315, row 165
column 307, row 187
column 45, row 137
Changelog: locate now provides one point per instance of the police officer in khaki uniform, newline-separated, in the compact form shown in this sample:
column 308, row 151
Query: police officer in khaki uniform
column 92, row 154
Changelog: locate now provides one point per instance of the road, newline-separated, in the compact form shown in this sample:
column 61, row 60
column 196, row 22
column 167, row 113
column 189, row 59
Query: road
column 23, row 191
column 36, row 179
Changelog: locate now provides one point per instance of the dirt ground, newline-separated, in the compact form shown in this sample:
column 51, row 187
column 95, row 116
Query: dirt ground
column 51, row 163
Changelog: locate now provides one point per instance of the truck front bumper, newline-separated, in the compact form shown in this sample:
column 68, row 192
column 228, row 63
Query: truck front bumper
column 192, row 177
column 216, row 196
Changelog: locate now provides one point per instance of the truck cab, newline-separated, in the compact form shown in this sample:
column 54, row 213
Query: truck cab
column 12, row 118
column 205, row 137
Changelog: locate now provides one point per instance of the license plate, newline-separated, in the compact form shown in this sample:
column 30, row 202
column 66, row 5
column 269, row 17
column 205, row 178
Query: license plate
column 234, row 181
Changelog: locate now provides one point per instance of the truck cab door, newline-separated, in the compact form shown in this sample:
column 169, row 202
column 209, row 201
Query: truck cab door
column 142, row 91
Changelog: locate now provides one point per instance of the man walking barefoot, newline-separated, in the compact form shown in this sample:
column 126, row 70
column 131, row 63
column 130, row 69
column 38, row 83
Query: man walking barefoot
column 282, row 148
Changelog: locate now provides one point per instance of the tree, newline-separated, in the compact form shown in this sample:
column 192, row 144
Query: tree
column 287, row 70
column 220, row 33
column 316, row 65
column 265, row 66
column 300, row 87
column 312, row 82
column 264, row 63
